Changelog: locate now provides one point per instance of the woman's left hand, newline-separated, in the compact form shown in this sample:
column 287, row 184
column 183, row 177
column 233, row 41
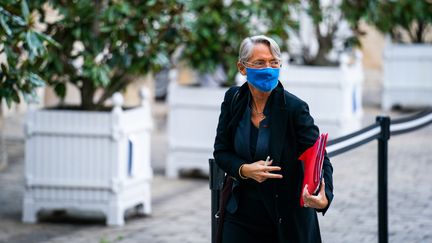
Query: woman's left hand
column 319, row 201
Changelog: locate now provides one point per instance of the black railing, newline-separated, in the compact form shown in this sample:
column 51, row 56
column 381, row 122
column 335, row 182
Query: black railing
column 381, row 130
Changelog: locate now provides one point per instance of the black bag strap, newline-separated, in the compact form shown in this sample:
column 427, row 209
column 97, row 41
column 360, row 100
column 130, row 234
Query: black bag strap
column 224, row 195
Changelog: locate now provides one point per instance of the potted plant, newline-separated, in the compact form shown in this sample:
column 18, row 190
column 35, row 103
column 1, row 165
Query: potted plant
column 22, row 53
column 96, row 156
column 214, row 31
column 324, row 68
column 408, row 50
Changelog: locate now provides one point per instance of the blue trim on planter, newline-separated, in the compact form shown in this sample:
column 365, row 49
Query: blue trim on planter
column 354, row 101
column 130, row 156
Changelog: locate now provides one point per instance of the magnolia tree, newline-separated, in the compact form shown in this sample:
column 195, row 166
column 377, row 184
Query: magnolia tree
column 406, row 21
column 105, row 44
column 23, row 48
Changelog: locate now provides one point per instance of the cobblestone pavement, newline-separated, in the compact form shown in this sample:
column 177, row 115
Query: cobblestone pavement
column 353, row 214
column 181, row 208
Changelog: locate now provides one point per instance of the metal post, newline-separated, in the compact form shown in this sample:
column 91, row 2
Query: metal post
column 214, row 200
column 382, row 178
column 216, row 185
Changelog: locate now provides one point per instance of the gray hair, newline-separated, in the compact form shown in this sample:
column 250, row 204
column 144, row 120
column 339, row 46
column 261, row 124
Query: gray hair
column 248, row 43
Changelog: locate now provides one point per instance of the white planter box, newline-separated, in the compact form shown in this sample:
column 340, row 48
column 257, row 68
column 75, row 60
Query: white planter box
column 334, row 94
column 192, row 121
column 407, row 75
column 96, row 161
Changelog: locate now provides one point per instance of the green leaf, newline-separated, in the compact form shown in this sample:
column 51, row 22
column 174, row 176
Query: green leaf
column 4, row 68
column 161, row 59
column 111, row 16
column 125, row 8
column 25, row 9
column 15, row 97
column 35, row 80
column 105, row 29
column 35, row 45
column 76, row 32
column 18, row 20
column 60, row 90
column 3, row 23
column 8, row 101
column 151, row 3
column 48, row 39
column 104, row 74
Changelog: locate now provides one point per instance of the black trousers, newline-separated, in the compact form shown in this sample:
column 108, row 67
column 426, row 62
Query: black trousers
column 252, row 222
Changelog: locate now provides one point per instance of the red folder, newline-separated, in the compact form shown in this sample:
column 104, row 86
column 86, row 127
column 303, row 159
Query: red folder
column 313, row 159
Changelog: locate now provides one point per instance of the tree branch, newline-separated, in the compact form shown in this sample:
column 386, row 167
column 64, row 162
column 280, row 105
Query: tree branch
column 121, row 82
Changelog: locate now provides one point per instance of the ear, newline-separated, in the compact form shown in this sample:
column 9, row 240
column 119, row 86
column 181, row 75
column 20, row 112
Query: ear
column 241, row 68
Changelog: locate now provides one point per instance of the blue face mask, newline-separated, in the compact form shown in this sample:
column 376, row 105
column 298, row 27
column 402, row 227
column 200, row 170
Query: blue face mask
column 263, row 79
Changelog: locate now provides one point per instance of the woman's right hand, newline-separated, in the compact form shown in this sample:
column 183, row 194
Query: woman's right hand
column 259, row 171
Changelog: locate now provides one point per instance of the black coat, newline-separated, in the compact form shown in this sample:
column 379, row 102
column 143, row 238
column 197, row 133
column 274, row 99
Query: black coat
column 292, row 131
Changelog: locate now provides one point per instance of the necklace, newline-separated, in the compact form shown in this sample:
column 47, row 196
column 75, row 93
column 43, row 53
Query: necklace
column 260, row 114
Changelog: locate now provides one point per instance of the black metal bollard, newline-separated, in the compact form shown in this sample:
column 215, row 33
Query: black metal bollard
column 382, row 178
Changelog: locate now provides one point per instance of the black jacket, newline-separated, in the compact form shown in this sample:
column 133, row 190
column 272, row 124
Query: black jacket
column 292, row 131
